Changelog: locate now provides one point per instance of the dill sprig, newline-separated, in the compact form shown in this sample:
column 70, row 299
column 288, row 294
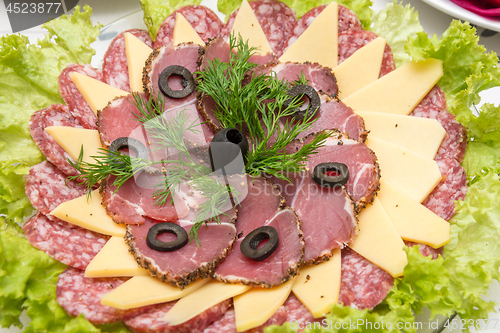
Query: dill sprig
column 255, row 103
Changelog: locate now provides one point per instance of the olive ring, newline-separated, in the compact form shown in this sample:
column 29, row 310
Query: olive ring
column 129, row 143
column 310, row 93
column 320, row 176
column 172, row 228
column 225, row 147
column 249, row 244
column 187, row 81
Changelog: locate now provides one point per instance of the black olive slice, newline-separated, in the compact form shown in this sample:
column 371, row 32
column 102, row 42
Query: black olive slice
column 225, row 147
column 249, row 244
column 187, row 81
column 310, row 93
column 172, row 228
column 129, row 143
column 321, row 174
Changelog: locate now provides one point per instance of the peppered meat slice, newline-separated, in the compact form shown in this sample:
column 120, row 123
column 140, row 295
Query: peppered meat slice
column 262, row 206
column 67, row 243
column 188, row 263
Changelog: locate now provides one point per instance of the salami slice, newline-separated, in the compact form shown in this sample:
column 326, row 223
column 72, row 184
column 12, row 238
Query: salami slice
column 79, row 295
column 227, row 324
column 115, row 67
column 204, row 21
column 67, row 243
column 54, row 115
column 347, row 21
column 47, row 187
column 352, row 40
column 78, row 107
column 152, row 321
column 277, row 20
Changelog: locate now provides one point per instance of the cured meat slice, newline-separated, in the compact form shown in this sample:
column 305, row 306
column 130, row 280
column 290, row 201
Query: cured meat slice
column 320, row 78
column 135, row 200
column 80, row 295
column 47, row 187
column 364, row 179
column 152, row 321
column 352, row 40
column 227, row 324
column 204, row 21
column 67, row 243
column 262, row 207
column 185, row 55
column 347, row 21
column 78, row 107
column 363, row 284
column 188, row 263
column 115, row 66
column 54, row 115
column 277, row 20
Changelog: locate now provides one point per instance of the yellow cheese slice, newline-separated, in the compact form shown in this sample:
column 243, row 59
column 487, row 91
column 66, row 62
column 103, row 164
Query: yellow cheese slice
column 319, row 42
column 399, row 91
column 72, row 140
column 89, row 214
column 145, row 290
column 421, row 135
column 137, row 54
column 413, row 221
column 318, row 287
column 257, row 305
column 379, row 241
column 114, row 260
column 247, row 25
column 96, row 93
column 184, row 32
column 410, row 172
column 202, row 299
column 361, row 68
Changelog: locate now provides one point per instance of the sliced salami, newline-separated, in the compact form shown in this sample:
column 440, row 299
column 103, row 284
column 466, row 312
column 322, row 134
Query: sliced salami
column 78, row 107
column 67, row 243
column 352, row 40
column 276, row 19
column 54, row 115
column 79, row 295
column 347, row 21
column 204, row 21
column 47, row 187
column 115, row 67
column 227, row 324
column 152, row 321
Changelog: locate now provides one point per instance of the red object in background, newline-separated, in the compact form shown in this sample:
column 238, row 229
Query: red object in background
column 488, row 8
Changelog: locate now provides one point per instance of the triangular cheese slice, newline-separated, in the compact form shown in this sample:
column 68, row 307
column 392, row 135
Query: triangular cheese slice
column 361, row 68
column 319, row 42
column 256, row 306
column 420, row 135
column 318, row 286
column 137, row 54
column 413, row 221
column 146, row 290
column 96, row 93
column 184, row 32
column 72, row 140
column 378, row 240
column 247, row 25
column 410, row 172
column 202, row 299
column 113, row 260
column 89, row 213
column 399, row 91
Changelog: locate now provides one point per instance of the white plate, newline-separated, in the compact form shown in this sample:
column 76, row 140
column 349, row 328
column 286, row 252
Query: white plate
column 456, row 11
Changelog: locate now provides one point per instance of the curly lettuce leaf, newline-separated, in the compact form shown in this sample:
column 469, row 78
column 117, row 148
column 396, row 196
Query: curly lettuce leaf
column 155, row 11
column 395, row 24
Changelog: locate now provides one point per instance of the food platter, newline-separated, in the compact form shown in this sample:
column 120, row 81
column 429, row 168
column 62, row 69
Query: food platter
column 458, row 12
column 132, row 21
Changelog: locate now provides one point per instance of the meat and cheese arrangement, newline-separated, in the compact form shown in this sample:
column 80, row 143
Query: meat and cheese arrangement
column 286, row 169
